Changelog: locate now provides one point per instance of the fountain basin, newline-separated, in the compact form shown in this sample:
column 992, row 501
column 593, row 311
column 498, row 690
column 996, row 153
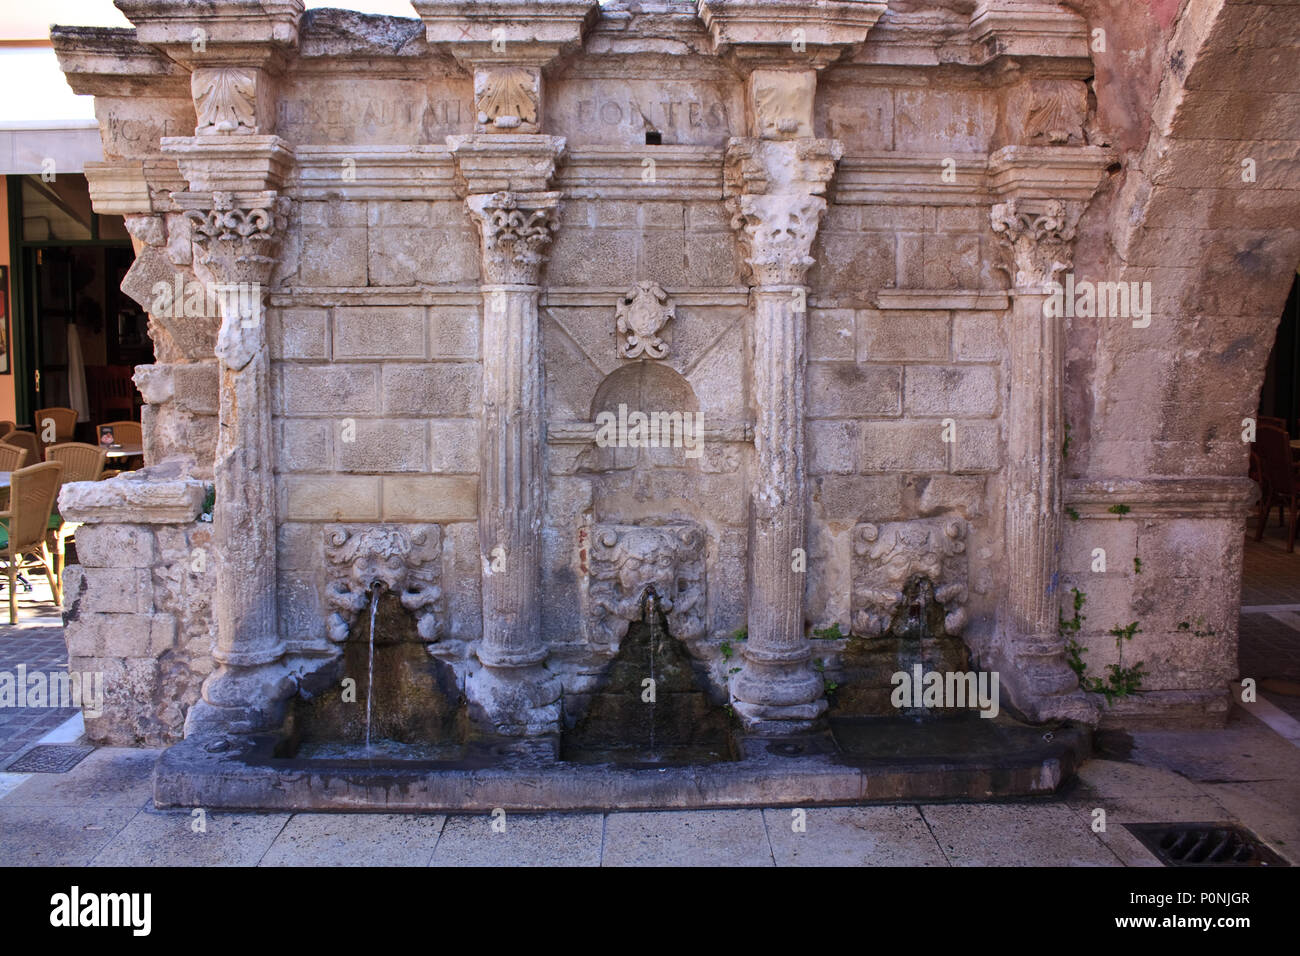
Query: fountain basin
column 808, row 770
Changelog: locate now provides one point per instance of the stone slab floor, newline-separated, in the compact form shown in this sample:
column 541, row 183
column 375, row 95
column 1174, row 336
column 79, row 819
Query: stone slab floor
column 100, row 812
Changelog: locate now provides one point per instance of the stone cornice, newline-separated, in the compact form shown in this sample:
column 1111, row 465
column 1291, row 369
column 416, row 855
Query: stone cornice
column 1205, row 497
column 118, row 188
column 938, row 300
column 617, row 172
column 1048, row 172
column 488, row 162
column 109, row 61
column 912, row 179
column 762, row 32
column 253, row 33
column 376, row 172
column 525, row 32
column 155, row 495
column 1028, row 28
column 230, row 163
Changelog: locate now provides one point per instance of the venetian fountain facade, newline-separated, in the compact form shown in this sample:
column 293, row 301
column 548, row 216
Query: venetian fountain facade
column 827, row 228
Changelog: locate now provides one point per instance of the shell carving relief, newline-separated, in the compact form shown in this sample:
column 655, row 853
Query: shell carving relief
column 506, row 98
column 225, row 100
column 642, row 314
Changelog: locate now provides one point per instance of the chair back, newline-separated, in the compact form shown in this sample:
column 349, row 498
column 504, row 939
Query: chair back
column 1273, row 445
column 12, row 457
column 81, row 462
column 126, row 433
column 32, row 492
column 26, row 440
column 110, row 390
column 6, row 427
column 64, row 421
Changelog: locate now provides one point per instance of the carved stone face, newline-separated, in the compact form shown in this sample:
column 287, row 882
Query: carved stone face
column 371, row 567
column 646, row 562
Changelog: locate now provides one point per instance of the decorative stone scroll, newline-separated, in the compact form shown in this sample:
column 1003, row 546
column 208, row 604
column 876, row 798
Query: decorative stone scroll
column 887, row 556
column 405, row 559
column 622, row 561
column 642, row 315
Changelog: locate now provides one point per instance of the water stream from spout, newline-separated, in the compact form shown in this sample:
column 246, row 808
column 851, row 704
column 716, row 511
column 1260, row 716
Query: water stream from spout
column 370, row 679
column 652, row 605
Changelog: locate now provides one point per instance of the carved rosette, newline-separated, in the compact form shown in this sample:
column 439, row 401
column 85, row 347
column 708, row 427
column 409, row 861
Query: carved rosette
column 887, row 557
column 1036, row 239
column 405, row 559
column 642, row 315
column 623, row 561
column 516, row 229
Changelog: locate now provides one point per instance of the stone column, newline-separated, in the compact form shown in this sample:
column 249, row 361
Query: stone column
column 1038, row 237
column 512, row 691
column 777, row 203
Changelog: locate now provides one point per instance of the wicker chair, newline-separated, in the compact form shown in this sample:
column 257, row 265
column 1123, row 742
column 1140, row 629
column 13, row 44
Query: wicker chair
column 81, row 462
column 64, row 421
column 23, row 526
column 125, row 433
column 12, row 457
column 6, row 427
column 23, row 439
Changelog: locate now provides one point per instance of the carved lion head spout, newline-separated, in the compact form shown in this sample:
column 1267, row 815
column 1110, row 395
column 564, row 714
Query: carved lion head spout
column 889, row 558
column 628, row 561
column 401, row 560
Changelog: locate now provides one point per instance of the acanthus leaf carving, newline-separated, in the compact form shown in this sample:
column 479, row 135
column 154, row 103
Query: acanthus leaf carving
column 1036, row 238
column 886, row 557
column 516, row 229
column 642, row 314
column 405, row 559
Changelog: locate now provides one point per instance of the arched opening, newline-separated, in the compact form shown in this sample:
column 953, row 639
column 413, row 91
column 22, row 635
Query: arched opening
column 1269, row 629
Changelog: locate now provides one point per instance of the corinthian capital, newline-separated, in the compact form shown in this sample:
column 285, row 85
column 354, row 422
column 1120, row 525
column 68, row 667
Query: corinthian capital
column 1036, row 237
column 236, row 240
column 516, row 229
column 775, row 195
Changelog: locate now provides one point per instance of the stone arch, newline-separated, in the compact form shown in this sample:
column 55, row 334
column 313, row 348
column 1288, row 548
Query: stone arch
column 1156, row 412
column 645, row 386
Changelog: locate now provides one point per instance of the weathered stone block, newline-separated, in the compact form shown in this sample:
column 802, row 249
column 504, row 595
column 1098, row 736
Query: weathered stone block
column 196, row 388
column 414, row 243
column 330, row 498
column 839, row 389
column 298, row 334
column 977, row 337
column 115, row 546
column 453, row 445
column 854, row 498
column 384, row 446
column 951, row 390
column 977, row 447
column 833, row 446
column 903, row 336
column 116, row 590
column 333, row 236
column 362, row 332
column 329, row 389
column 305, row 444
column 453, row 332
column 443, row 389
column 903, row 446
column 430, row 498
column 831, row 335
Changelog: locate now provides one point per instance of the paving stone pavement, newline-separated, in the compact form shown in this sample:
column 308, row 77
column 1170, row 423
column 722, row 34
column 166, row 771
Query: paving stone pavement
column 101, row 814
column 36, row 641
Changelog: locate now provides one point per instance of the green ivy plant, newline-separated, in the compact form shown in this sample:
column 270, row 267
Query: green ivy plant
column 831, row 633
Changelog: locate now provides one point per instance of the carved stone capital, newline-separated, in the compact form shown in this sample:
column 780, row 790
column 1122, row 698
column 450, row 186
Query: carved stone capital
column 236, row 240
column 1037, row 239
column 775, row 195
column 516, row 229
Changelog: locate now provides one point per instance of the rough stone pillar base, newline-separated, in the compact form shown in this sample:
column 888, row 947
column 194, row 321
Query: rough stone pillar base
column 515, row 701
column 225, row 707
column 778, row 694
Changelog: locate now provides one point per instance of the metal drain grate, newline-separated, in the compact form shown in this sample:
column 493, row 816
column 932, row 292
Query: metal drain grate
column 49, row 758
column 1204, row 844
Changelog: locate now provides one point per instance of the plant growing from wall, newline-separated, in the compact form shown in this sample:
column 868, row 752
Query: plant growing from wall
column 1120, row 680
column 1068, row 628
column 209, row 503
column 1120, row 510
column 831, row 633
column 1196, row 631
column 1074, row 515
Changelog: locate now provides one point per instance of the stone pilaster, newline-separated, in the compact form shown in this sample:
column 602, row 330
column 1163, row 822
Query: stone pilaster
column 512, row 691
column 1037, row 236
column 776, row 197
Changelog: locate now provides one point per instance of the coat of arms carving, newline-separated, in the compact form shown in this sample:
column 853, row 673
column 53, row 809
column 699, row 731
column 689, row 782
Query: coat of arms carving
column 642, row 315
